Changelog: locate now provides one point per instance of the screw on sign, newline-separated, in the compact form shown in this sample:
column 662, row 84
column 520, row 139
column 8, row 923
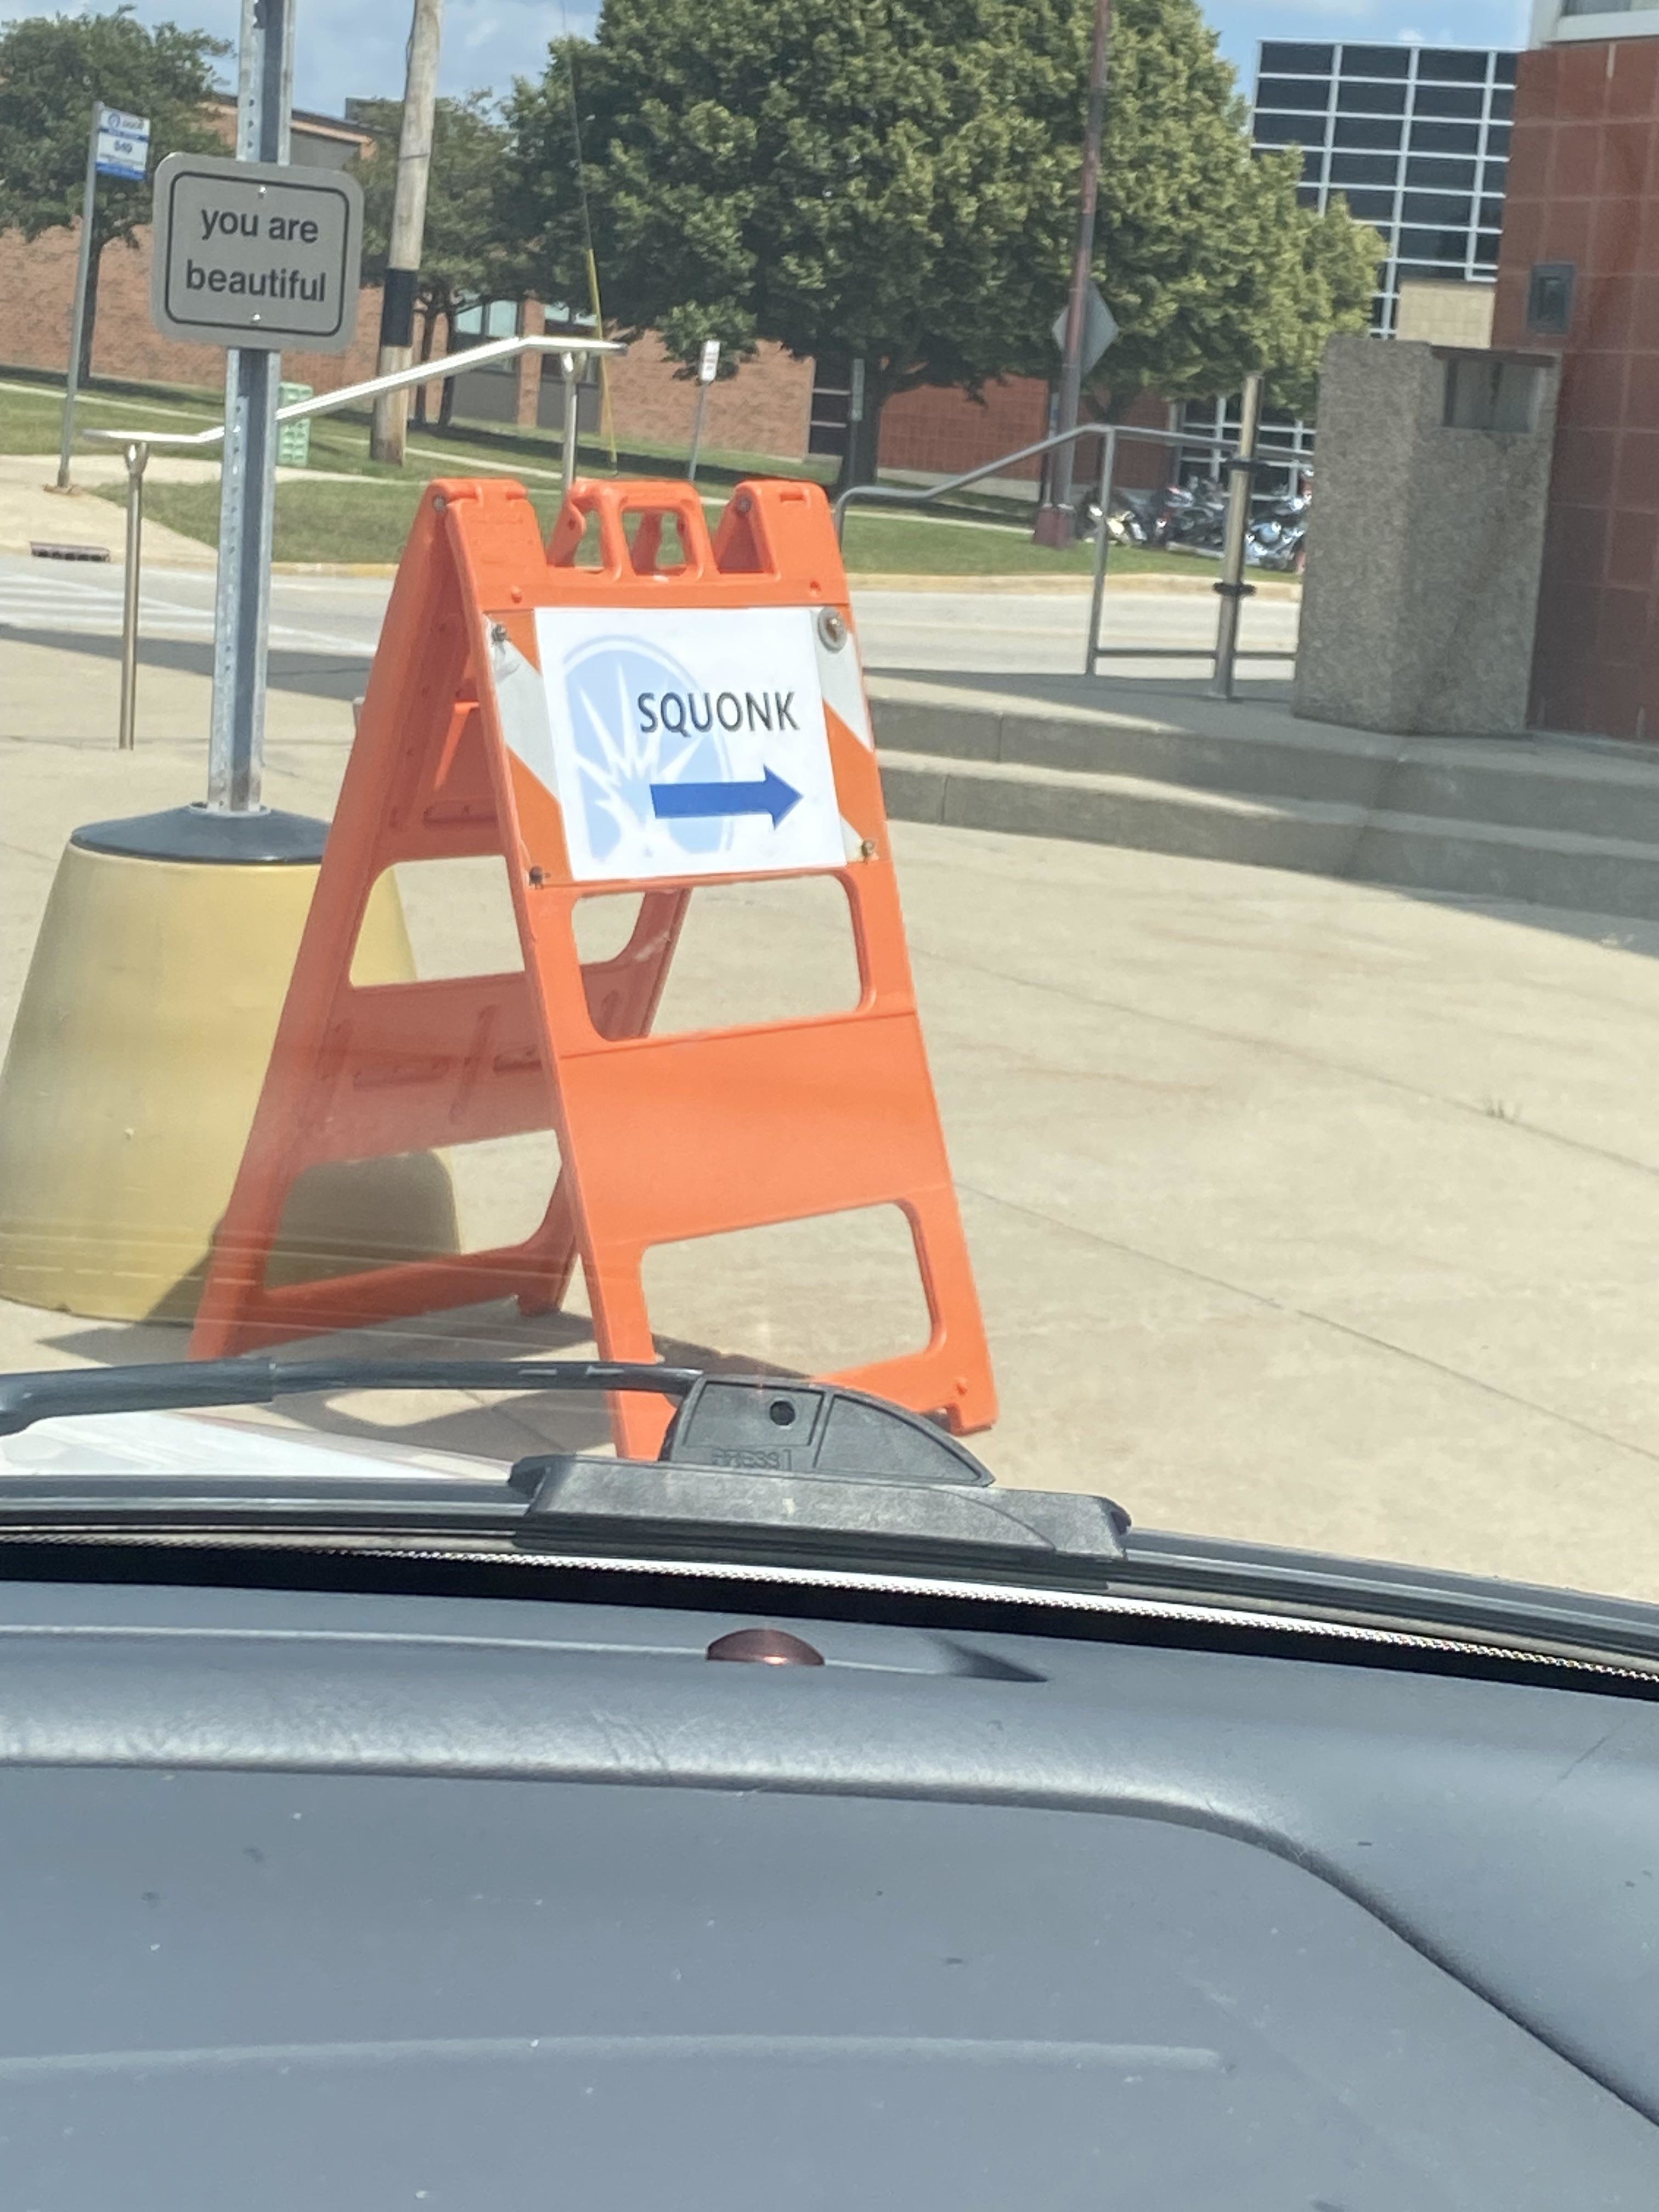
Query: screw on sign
column 649, row 724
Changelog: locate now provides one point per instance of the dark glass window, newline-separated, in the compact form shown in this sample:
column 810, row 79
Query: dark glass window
column 1503, row 69
column 1450, row 67
column 1503, row 105
column 1497, row 138
column 1493, row 176
column 1369, row 99
column 1485, row 249
column 1448, row 100
column 1438, row 246
column 1287, row 129
column 1441, row 176
column 1492, row 215
column 1290, row 92
column 1437, row 207
column 1376, row 61
column 1313, row 167
column 1362, row 169
column 1445, row 138
column 1365, row 131
column 1370, row 206
column 1297, row 60
column 1307, row 196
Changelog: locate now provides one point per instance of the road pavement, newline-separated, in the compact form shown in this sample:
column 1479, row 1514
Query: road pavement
column 1300, row 1209
column 944, row 629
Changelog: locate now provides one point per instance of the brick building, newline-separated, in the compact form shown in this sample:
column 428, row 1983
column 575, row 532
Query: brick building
column 1578, row 274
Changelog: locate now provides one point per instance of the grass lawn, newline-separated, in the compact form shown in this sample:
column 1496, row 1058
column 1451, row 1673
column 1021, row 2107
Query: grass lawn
column 369, row 521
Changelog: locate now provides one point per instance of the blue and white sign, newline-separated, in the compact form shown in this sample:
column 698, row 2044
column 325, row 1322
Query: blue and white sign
column 123, row 145
column 687, row 742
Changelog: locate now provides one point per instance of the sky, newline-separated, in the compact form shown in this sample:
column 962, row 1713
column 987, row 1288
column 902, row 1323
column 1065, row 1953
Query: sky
column 342, row 47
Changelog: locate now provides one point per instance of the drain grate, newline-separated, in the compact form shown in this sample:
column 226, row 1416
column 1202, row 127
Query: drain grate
column 44, row 551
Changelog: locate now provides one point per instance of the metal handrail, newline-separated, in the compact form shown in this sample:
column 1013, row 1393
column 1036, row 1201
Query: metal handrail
column 423, row 372
column 136, row 444
column 1231, row 586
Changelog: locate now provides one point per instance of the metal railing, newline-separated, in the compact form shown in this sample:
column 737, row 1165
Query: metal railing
column 137, row 445
column 1240, row 463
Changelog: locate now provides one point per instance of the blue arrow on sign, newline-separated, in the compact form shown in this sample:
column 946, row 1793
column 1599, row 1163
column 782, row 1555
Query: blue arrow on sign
column 682, row 802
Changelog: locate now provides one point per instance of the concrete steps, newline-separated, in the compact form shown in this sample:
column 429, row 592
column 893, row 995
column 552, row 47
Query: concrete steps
column 1491, row 818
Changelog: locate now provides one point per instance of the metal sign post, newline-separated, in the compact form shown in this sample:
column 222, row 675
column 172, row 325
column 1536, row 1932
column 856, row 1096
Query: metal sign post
column 247, row 485
column 117, row 146
column 708, row 369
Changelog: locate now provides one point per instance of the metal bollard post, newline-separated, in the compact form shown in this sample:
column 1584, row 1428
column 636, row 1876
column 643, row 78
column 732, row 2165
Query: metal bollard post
column 1241, row 475
column 1104, row 500
column 567, row 363
column 135, row 454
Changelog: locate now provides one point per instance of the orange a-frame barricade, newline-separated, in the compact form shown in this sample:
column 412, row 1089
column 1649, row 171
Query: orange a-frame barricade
column 471, row 742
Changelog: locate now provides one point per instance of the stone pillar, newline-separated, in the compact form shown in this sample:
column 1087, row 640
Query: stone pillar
column 1431, row 482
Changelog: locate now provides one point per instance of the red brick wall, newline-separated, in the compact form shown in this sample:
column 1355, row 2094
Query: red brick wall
column 1584, row 188
column 939, row 432
column 763, row 409
column 125, row 343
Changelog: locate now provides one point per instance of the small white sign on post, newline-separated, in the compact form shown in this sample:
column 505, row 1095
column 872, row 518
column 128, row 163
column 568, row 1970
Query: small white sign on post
column 708, row 367
column 123, row 145
column 684, row 742
column 256, row 254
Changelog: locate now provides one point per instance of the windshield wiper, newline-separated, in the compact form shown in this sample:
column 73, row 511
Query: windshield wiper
column 178, row 1385
column 751, row 1470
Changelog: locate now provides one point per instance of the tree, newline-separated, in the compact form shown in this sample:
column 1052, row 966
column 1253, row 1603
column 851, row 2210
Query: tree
column 464, row 259
column 897, row 179
column 53, row 68
column 1210, row 266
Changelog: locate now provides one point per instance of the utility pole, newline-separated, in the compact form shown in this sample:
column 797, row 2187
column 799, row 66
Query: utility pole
column 72, row 382
column 385, row 441
column 1054, row 521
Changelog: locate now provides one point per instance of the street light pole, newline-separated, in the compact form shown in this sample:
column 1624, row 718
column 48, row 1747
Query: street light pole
column 1054, row 524
column 385, row 437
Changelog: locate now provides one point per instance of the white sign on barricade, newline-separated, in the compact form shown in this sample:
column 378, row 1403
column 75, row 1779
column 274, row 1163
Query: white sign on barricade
column 687, row 742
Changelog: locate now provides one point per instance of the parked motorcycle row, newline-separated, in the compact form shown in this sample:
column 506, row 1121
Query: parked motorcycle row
column 1193, row 518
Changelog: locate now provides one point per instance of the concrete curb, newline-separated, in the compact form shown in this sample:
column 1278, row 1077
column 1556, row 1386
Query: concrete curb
column 1070, row 586
column 1470, row 859
column 1503, row 817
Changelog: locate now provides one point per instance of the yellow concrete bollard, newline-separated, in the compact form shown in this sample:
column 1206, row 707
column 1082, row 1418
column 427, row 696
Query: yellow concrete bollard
column 135, row 1065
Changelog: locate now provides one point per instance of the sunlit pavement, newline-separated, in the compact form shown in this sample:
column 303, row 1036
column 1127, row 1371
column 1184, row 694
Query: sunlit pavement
column 984, row 629
column 1300, row 1209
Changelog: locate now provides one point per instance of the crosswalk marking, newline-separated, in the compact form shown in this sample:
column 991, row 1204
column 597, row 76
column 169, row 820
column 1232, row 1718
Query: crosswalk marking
column 89, row 607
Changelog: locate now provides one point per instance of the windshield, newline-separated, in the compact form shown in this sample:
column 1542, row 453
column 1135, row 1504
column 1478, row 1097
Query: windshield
column 968, row 708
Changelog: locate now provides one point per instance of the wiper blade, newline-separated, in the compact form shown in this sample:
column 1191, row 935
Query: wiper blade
column 751, row 1469
column 176, row 1386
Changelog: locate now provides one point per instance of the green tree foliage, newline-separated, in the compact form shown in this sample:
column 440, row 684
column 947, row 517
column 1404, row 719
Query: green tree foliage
column 897, row 180
column 463, row 258
column 1210, row 265
column 53, row 68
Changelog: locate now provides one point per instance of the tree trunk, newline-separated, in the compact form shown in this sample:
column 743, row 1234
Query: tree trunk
column 446, row 405
column 91, row 322
column 859, row 459
column 429, row 325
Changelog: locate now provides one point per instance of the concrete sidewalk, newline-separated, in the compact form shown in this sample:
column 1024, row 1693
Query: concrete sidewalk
column 1301, row 1209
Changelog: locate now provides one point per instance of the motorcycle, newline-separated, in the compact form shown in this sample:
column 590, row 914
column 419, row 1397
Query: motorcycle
column 1277, row 536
